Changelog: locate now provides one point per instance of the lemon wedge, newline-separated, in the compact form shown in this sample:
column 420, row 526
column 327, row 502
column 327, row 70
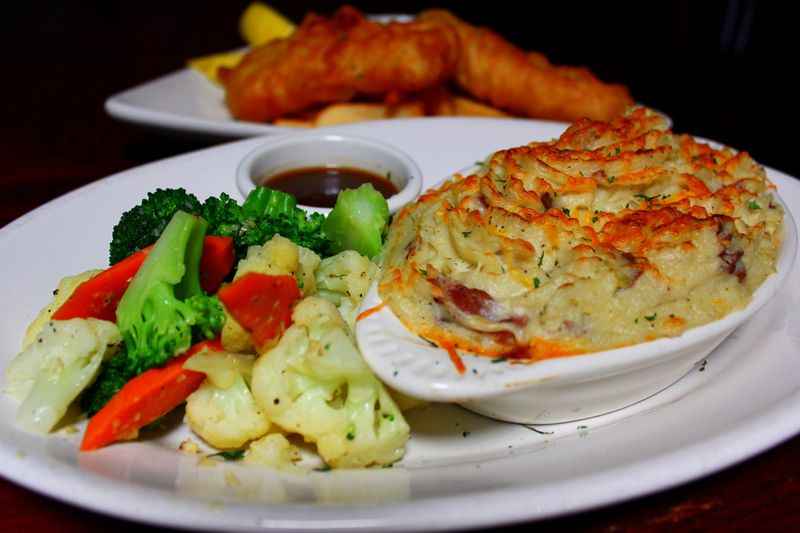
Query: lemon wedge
column 209, row 65
column 260, row 23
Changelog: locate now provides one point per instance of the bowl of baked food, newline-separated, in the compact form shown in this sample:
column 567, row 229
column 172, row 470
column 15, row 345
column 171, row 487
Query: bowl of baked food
column 567, row 279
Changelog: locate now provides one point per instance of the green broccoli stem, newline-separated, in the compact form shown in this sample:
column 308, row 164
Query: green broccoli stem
column 190, row 283
column 165, row 267
column 358, row 221
column 263, row 201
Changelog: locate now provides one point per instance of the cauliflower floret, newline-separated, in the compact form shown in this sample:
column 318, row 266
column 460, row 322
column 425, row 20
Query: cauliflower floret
column 223, row 411
column 234, row 337
column 278, row 256
column 65, row 289
column 63, row 360
column 309, row 262
column 344, row 280
column 315, row 383
column 274, row 451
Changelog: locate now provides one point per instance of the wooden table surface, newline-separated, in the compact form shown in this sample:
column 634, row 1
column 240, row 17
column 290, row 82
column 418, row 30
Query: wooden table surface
column 61, row 61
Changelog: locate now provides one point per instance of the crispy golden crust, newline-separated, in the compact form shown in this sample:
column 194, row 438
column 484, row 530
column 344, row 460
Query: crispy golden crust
column 494, row 70
column 613, row 234
column 334, row 59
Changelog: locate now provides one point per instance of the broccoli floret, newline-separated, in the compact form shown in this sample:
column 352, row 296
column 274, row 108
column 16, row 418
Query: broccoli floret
column 142, row 225
column 223, row 214
column 314, row 382
column 264, row 213
column 113, row 375
column 267, row 212
column 358, row 221
column 163, row 310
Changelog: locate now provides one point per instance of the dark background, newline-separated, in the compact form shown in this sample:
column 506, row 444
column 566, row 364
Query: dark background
column 723, row 70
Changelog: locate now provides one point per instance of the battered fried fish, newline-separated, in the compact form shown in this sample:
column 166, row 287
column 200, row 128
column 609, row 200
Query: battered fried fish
column 494, row 70
column 335, row 59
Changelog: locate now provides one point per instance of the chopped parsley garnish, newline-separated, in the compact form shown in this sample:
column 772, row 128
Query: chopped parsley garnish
column 230, row 455
column 423, row 272
column 594, row 219
column 536, row 283
column 323, row 468
column 611, row 179
column 651, row 317
column 753, row 205
column 565, row 211
column 389, row 417
column 499, row 360
column 466, row 233
column 645, row 197
column 541, row 257
column 617, row 150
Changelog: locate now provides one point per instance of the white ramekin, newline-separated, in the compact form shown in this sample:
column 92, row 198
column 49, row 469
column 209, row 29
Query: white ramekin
column 554, row 390
column 316, row 149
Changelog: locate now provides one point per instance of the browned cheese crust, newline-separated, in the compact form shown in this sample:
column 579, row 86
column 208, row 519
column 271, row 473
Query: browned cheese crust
column 613, row 234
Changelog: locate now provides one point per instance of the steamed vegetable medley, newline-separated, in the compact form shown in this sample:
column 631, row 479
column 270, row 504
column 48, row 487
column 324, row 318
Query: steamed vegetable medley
column 244, row 312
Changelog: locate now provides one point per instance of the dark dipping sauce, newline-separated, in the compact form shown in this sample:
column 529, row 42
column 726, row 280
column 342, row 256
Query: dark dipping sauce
column 318, row 186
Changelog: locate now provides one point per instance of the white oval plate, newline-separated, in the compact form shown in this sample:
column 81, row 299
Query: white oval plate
column 185, row 102
column 746, row 399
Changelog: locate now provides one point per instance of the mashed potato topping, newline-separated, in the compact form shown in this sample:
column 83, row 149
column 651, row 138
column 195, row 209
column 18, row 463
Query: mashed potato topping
column 613, row 234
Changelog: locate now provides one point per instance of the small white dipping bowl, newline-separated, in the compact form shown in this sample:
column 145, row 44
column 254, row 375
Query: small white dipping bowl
column 317, row 149
column 554, row 390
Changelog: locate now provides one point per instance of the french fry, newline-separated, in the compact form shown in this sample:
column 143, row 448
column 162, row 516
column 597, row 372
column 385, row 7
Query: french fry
column 261, row 23
column 293, row 123
column 412, row 108
column 350, row 112
column 209, row 65
column 466, row 107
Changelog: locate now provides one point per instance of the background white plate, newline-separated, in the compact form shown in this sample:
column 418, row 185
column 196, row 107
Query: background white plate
column 186, row 102
column 746, row 399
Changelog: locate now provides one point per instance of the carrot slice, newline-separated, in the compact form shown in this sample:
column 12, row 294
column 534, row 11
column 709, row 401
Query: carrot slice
column 145, row 398
column 99, row 296
column 216, row 262
column 262, row 304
